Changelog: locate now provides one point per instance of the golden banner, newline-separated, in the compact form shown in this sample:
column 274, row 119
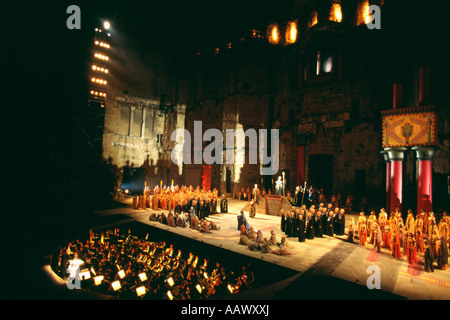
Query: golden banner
column 409, row 129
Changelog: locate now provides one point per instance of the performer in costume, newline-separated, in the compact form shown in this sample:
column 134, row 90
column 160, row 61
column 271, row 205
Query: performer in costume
column 351, row 230
column 310, row 225
column 223, row 205
column 252, row 209
column 330, row 223
column 428, row 258
column 283, row 220
column 301, row 226
column 362, row 234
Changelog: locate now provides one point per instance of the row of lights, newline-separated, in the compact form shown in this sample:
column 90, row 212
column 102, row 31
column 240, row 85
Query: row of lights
column 102, row 44
column 99, row 81
column 99, row 94
column 274, row 31
column 96, row 68
column 100, row 69
column 101, row 56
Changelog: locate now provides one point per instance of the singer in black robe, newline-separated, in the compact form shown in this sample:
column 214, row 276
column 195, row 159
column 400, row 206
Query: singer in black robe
column 324, row 222
column 283, row 221
column 428, row 258
column 318, row 225
column 301, row 228
column 340, row 230
column 330, row 224
column 223, row 205
column 310, row 228
column 442, row 257
column 288, row 231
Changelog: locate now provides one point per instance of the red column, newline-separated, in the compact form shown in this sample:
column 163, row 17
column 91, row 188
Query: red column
column 396, row 156
column 397, row 95
column 300, row 165
column 425, row 180
column 424, row 85
column 388, row 179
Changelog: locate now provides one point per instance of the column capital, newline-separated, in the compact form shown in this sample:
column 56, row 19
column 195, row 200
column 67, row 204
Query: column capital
column 425, row 153
column 397, row 154
column 385, row 155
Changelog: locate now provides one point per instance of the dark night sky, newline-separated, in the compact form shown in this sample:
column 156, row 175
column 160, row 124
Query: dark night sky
column 48, row 61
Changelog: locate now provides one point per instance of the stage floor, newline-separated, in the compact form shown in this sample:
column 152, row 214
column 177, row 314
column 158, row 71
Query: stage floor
column 328, row 267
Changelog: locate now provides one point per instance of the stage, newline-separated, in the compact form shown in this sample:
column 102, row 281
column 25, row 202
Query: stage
column 323, row 268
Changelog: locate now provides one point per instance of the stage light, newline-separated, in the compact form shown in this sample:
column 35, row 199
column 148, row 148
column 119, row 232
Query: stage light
column 85, row 274
column 121, row 274
column 96, row 42
column 199, row 289
column 170, row 281
column 116, row 285
column 205, row 275
column 140, row 291
column 169, row 294
column 93, row 271
column 143, row 276
column 230, row 288
column 98, row 280
column 127, row 191
column 107, row 25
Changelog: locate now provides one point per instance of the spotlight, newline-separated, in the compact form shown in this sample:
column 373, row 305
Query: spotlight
column 143, row 276
column 140, row 291
column 98, row 280
column 121, row 274
column 106, row 25
column 170, row 281
column 199, row 289
column 116, row 285
column 169, row 294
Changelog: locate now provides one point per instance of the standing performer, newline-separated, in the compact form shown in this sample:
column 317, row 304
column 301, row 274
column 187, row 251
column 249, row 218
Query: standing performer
column 252, row 209
column 351, row 230
column 283, row 220
column 330, row 223
column 223, row 205
column 301, row 226
column 310, row 225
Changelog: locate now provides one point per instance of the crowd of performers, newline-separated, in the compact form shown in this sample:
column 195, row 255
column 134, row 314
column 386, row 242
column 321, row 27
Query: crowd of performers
column 420, row 234
column 183, row 219
column 128, row 267
column 256, row 241
column 181, row 199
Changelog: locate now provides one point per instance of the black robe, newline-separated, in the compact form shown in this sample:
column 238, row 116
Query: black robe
column 429, row 260
column 295, row 225
column 223, row 206
column 324, row 223
column 318, row 226
column 283, row 222
column 330, row 226
column 301, row 229
column 288, row 231
column 341, row 223
column 310, row 229
column 443, row 253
